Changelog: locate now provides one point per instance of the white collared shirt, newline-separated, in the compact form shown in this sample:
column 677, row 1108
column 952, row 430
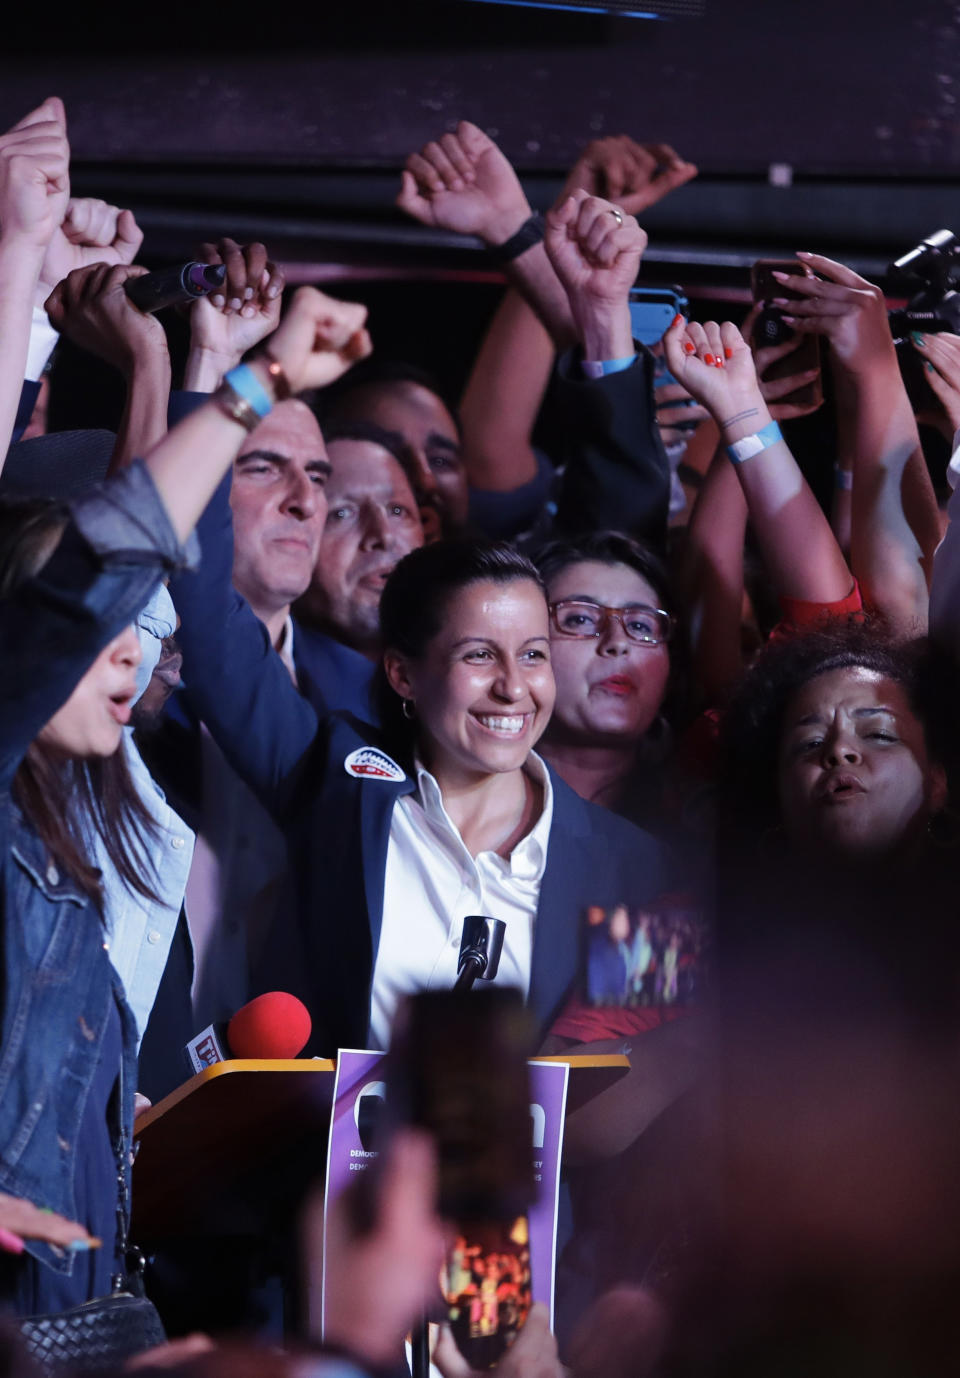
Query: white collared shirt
column 285, row 648
column 139, row 931
column 432, row 883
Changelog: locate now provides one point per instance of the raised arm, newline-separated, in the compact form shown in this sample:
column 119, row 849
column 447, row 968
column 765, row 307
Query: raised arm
column 34, row 192
column 502, row 397
column 595, row 251
column 510, row 374
column 942, row 369
column 317, row 341
column 712, row 574
column 124, row 535
column 235, row 682
column 616, row 473
column 714, row 363
column 941, row 354
column 463, row 183
column 91, row 307
column 92, row 231
column 894, row 525
column 225, row 325
column 712, row 579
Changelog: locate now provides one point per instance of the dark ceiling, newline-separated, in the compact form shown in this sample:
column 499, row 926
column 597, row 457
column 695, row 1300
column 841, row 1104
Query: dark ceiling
column 293, row 127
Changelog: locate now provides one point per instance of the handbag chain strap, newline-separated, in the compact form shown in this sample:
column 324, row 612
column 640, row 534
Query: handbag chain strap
column 132, row 1257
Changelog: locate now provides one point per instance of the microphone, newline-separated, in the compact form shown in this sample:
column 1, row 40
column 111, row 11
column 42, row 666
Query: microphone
column 480, row 949
column 273, row 1026
column 174, row 286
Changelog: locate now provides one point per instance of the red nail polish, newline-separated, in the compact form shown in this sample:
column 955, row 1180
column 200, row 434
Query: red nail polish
column 677, row 320
column 720, row 363
column 689, row 348
column 727, row 352
column 709, row 359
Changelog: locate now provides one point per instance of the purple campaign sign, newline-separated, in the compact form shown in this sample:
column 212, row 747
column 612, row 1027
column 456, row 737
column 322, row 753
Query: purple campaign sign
column 548, row 1099
column 358, row 1083
column 357, row 1080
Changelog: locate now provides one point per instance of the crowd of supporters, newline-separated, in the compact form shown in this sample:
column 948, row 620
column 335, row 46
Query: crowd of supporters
column 306, row 662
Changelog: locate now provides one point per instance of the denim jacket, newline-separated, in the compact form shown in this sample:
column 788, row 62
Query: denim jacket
column 57, row 981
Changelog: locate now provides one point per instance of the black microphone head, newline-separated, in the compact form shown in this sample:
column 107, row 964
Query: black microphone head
column 482, row 942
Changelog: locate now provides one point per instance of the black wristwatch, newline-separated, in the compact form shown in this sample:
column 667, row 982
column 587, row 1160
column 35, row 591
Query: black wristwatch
column 530, row 232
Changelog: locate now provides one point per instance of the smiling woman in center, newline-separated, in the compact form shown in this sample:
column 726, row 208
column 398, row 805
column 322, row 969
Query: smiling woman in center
column 460, row 815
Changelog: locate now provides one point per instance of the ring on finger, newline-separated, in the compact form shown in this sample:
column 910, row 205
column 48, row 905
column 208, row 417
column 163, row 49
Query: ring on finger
column 612, row 210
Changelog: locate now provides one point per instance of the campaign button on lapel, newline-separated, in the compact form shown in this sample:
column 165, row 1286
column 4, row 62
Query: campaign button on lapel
column 367, row 763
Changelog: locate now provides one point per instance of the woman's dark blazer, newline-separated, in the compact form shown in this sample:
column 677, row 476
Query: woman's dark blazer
column 338, row 824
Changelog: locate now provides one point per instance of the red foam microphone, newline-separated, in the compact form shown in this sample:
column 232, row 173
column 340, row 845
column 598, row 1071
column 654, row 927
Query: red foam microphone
column 274, row 1025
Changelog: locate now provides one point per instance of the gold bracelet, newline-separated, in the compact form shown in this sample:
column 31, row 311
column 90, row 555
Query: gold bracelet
column 236, row 407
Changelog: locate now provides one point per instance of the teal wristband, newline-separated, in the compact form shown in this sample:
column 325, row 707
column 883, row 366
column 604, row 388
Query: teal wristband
column 247, row 385
column 752, row 445
column 602, row 368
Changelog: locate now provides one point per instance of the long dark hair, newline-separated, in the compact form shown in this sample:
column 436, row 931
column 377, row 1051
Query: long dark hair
column 414, row 602
column 65, row 800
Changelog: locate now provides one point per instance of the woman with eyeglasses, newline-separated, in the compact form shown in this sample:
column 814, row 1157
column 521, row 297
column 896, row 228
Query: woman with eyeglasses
column 611, row 640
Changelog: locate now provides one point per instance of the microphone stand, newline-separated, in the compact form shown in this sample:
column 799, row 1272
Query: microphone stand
column 480, row 949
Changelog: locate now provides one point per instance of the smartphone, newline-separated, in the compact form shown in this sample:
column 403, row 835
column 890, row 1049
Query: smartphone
column 772, row 329
column 652, row 310
column 457, row 1067
column 662, row 377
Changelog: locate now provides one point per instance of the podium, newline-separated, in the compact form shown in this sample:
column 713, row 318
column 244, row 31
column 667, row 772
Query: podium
column 235, row 1149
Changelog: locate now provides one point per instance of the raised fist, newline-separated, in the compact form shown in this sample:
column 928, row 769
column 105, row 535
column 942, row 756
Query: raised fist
column 241, row 313
column 595, row 250
column 463, row 183
column 92, row 231
column 35, row 175
column 319, row 338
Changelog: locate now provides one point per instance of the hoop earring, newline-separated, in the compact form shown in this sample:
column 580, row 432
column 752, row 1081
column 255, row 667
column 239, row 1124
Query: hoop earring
column 408, row 709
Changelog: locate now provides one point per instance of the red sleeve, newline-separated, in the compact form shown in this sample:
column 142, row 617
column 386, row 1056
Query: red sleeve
column 584, row 1024
column 800, row 616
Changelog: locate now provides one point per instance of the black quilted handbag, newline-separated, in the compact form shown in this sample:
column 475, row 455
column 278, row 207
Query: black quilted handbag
column 99, row 1334
column 104, row 1332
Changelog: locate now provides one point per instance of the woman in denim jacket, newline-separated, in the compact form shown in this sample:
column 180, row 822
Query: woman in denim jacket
column 67, row 1037
column 68, row 1051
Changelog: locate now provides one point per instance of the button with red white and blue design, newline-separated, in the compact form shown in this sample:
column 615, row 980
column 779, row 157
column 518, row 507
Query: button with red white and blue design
column 367, row 763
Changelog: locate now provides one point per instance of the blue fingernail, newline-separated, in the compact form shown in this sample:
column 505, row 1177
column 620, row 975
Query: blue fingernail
column 916, row 337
